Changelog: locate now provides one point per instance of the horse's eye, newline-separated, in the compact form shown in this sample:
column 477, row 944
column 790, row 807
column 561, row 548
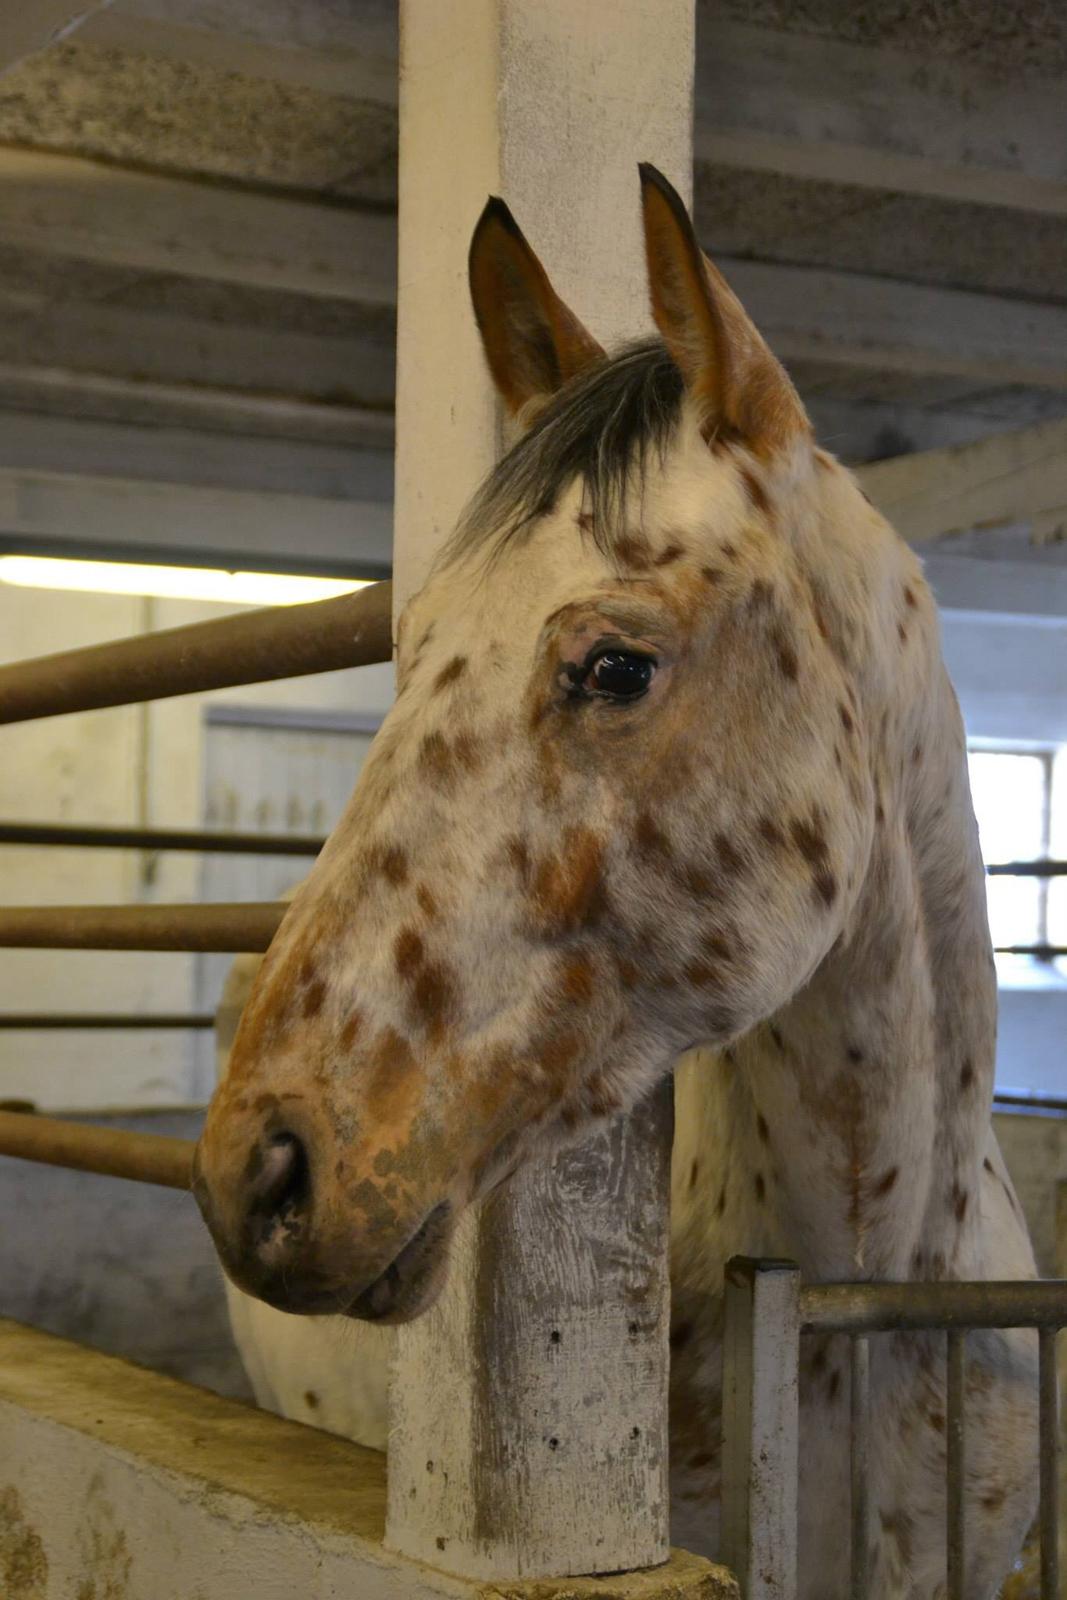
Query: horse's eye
column 621, row 674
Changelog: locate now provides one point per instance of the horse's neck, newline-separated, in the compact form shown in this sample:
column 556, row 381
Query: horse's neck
column 851, row 1129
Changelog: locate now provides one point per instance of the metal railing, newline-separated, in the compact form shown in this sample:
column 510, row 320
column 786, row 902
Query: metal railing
column 224, row 926
column 767, row 1312
column 354, row 630
column 204, row 840
column 112, row 1152
column 276, row 642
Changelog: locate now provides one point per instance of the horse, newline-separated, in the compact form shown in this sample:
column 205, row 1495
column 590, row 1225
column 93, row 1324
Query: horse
column 675, row 780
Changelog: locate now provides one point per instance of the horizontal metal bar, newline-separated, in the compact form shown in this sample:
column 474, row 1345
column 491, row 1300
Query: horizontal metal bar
column 352, row 630
column 145, row 1157
column 110, row 1021
column 1032, row 1102
column 242, row 926
column 1040, row 952
column 208, row 840
column 882, row 1307
column 1027, row 869
column 302, row 719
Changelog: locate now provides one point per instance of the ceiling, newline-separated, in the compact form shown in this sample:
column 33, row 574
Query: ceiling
column 886, row 185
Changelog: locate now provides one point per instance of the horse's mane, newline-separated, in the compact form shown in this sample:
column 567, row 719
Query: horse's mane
column 600, row 428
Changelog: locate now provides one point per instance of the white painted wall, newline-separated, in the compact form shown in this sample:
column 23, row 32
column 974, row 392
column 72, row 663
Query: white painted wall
column 140, row 764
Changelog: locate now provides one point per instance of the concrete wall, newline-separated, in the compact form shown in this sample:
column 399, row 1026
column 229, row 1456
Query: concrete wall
column 126, row 1268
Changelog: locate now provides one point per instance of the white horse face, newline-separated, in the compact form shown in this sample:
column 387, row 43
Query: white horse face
column 620, row 807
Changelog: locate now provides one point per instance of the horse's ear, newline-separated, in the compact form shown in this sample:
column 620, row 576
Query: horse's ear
column 739, row 387
column 533, row 342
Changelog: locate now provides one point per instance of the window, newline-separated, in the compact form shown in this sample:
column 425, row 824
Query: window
column 1020, row 799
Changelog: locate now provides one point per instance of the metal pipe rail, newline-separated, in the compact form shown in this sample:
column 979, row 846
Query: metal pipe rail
column 894, row 1307
column 767, row 1311
column 206, row 840
column 191, row 927
column 1026, row 869
column 244, row 926
column 110, row 1021
column 352, row 630
column 114, row 1153
column 1040, row 952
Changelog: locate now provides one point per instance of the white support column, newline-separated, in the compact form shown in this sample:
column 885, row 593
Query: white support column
column 529, row 1409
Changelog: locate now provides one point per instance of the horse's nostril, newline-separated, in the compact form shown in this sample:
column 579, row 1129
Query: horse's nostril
column 281, row 1189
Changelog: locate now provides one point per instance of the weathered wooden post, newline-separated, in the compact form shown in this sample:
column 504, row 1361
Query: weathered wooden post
column 541, row 1379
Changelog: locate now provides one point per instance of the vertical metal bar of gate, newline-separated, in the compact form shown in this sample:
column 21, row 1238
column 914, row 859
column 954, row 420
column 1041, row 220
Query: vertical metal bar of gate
column 761, row 1426
column 955, row 1445
column 1048, row 1451
column 859, row 1460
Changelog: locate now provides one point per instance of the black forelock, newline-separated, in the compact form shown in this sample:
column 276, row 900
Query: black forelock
column 599, row 428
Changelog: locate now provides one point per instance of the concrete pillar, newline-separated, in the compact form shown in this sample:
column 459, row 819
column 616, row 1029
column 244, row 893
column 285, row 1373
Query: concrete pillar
column 529, row 1409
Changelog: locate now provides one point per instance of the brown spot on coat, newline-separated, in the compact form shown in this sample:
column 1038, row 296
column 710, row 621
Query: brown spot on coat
column 649, row 837
column 311, row 1400
column 785, row 651
column 313, row 998
column 770, row 832
column 567, row 889
column 351, row 1030
column 576, row 980
column 450, row 673
column 433, row 995
column 519, row 856
column 824, row 886
column 810, row 842
column 670, row 553
column 436, row 758
column 966, row 1074
column 755, row 490
column 760, row 1187
column 394, row 865
column 391, row 1083
column 633, row 552
column 885, row 1182
column 555, row 1055
column 409, row 952
column 730, row 858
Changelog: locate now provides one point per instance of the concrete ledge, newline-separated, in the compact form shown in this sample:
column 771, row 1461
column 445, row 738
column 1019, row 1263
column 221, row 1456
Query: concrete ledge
column 119, row 1484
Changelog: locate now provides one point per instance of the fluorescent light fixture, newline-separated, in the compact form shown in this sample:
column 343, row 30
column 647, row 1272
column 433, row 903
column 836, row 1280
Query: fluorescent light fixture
column 173, row 583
